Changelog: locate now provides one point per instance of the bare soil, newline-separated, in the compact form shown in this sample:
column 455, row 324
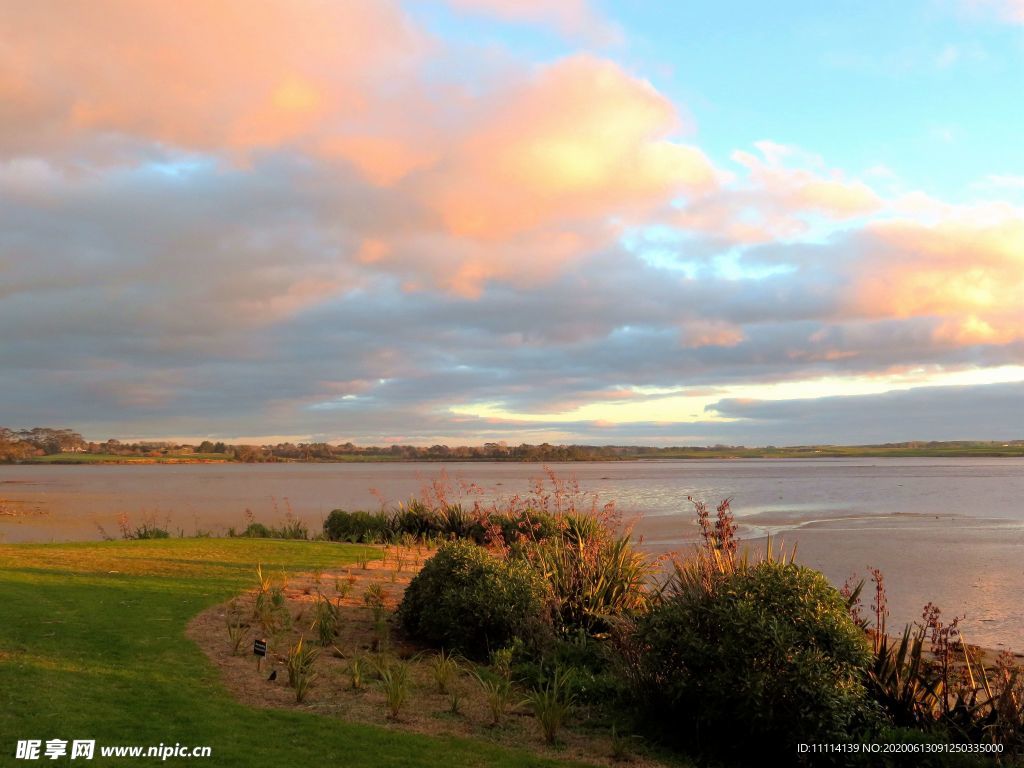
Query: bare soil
column 427, row 710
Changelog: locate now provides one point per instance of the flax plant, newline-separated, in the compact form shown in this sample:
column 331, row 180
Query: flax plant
column 300, row 668
column 552, row 703
column 497, row 692
column 444, row 668
column 394, row 682
column 325, row 620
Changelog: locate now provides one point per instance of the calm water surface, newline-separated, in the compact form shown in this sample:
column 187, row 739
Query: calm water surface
column 946, row 530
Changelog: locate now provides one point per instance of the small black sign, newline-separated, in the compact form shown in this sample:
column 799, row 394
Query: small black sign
column 259, row 648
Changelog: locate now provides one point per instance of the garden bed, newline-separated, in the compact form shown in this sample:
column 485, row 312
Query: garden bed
column 359, row 636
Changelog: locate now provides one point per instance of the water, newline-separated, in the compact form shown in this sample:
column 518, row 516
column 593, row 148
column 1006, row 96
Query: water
column 944, row 530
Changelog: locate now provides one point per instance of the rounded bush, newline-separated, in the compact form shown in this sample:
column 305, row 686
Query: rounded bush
column 357, row 527
column 256, row 531
column 766, row 658
column 468, row 600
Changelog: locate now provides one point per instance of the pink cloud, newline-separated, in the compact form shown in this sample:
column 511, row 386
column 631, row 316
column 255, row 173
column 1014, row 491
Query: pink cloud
column 966, row 272
column 575, row 18
column 579, row 138
column 780, row 177
column 197, row 75
column 544, row 172
column 780, row 189
column 523, row 184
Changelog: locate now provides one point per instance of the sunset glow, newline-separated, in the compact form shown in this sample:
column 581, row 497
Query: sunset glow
column 475, row 220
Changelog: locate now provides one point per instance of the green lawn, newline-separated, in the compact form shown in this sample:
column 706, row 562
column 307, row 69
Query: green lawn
column 92, row 646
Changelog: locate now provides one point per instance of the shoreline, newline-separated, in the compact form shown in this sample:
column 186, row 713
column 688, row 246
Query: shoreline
column 737, row 454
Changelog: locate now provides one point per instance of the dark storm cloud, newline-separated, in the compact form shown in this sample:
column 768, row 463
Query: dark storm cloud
column 926, row 413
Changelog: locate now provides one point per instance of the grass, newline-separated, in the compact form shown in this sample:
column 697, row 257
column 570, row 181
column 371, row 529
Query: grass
column 92, row 646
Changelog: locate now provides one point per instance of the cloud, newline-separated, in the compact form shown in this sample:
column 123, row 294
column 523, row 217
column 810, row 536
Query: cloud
column 1008, row 10
column 889, row 417
column 515, row 179
column 543, row 171
column 226, row 75
column 967, row 273
column 375, row 235
column 574, row 18
column 779, row 192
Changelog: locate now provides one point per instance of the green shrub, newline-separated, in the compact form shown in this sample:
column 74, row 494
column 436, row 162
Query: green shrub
column 467, row 600
column 325, row 620
column 238, row 628
column 596, row 681
column 356, row 671
column 768, row 651
column 497, row 692
column 358, row 527
column 149, row 530
column 256, row 531
column 455, row 522
column 301, row 659
column 596, row 578
column 291, row 528
column 394, row 682
column 551, row 704
column 417, row 520
column 444, row 667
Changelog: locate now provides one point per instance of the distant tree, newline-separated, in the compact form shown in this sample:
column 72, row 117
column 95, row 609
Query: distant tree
column 12, row 447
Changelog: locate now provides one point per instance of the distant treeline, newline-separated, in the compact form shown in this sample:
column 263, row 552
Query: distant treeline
column 44, row 444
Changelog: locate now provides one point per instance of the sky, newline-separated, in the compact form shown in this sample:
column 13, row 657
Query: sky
column 535, row 221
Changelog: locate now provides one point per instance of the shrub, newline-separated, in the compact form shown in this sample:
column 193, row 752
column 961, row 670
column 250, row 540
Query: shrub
column 466, row 599
column 497, row 692
column 238, row 628
column 150, row 531
column 769, row 648
column 356, row 671
column 325, row 620
column 300, row 668
column 551, row 704
column 394, row 682
column 291, row 528
column 358, row 527
column 594, row 576
column 455, row 522
column 256, row 531
column 444, row 668
column 417, row 520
